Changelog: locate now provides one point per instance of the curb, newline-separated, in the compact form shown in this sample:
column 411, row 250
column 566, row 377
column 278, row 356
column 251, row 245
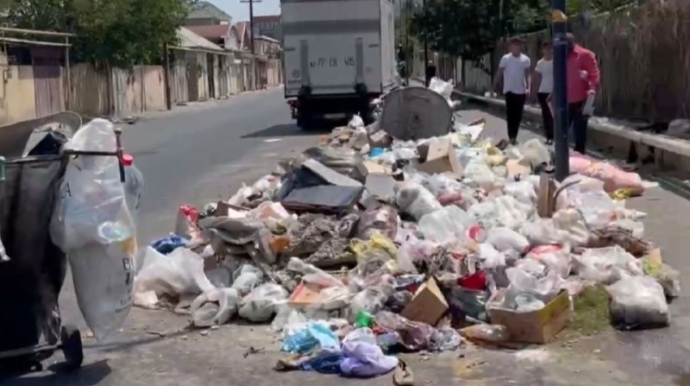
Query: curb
column 621, row 141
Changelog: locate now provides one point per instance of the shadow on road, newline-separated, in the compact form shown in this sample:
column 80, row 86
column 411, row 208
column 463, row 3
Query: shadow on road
column 289, row 130
column 89, row 375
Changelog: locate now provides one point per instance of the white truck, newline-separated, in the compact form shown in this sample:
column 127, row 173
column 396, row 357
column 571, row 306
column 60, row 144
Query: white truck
column 339, row 55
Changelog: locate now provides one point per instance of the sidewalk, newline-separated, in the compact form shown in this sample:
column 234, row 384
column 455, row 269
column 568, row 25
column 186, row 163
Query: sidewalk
column 656, row 357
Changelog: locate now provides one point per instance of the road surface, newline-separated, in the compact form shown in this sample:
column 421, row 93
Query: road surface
column 197, row 155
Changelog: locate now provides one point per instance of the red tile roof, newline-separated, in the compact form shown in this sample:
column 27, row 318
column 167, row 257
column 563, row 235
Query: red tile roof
column 210, row 31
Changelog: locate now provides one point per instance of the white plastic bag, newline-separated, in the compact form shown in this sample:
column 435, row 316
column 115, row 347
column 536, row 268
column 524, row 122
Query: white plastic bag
column 312, row 274
column 481, row 175
column 246, row 278
column 103, row 278
column 572, row 227
column 215, row 307
column 557, row 260
column 504, row 239
column 490, row 257
column 363, row 357
column 535, row 153
column 178, row 274
column 523, row 191
column 638, row 302
column 445, row 225
column 262, row 303
column 92, row 207
column 416, row 200
column 605, row 265
column 544, row 289
column 443, row 88
column 3, row 253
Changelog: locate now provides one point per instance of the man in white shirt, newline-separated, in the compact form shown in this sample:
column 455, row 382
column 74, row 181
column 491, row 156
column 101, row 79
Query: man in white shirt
column 514, row 70
column 543, row 86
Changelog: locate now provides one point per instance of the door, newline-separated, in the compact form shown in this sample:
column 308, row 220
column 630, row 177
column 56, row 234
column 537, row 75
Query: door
column 211, row 76
column 192, row 77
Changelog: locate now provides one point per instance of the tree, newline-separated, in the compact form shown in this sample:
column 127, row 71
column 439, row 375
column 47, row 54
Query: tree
column 118, row 32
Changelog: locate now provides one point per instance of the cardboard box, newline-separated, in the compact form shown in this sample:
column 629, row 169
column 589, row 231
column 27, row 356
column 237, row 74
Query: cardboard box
column 304, row 295
column 534, row 327
column 440, row 158
column 428, row 304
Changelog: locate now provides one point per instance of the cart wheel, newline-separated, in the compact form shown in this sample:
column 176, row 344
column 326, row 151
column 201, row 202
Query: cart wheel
column 72, row 347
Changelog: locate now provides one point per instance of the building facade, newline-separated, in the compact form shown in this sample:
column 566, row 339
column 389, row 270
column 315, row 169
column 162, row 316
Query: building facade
column 269, row 26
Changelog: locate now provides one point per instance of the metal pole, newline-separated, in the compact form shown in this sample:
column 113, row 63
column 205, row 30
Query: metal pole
column 68, row 74
column 408, row 68
column 426, row 54
column 560, row 99
column 166, row 76
column 251, row 40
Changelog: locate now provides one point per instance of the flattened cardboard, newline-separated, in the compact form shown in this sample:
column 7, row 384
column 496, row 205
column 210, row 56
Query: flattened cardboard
column 304, row 295
column 538, row 327
column 428, row 304
column 441, row 158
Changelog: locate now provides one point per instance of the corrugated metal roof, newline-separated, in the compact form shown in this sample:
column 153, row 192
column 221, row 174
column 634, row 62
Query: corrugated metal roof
column 189, row 39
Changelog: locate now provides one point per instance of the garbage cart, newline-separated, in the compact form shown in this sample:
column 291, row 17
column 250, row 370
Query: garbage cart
column 33, row 269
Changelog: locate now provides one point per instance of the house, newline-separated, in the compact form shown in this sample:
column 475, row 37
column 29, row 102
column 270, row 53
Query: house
column 268, row 61
column 223, row 35
column 269, row 26
column 205, row 13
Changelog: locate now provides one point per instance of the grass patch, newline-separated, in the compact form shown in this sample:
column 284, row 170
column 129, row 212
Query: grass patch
column 591, row 312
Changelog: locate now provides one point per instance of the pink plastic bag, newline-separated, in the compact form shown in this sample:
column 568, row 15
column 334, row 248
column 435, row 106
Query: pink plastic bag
column 613, row 177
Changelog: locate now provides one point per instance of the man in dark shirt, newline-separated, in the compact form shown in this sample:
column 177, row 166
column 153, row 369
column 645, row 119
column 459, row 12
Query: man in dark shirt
column 430, row 72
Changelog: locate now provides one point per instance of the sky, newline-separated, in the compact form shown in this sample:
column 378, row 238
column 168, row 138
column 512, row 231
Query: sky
column 240, row 11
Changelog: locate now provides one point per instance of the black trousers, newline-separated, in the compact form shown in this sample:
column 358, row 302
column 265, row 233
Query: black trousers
column 515, row 106
column 579, row 122
column 546, row 115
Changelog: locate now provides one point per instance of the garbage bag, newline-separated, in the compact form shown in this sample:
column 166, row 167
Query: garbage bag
column 383, row 219
column 179, row 274
column 613, row 177
column 313, row 275
column 445, row 339
column 103, row 278
column 481, row 175
column 522, row 283
column 523, row 191
column 215, row 307
column 363, row 357
column 416, row 201
column 442, row 87
column 489, row 333
column 556, row 259
column 313, row 335
column 638, row 302
column 261, row 304
column 445, row 225
column 372, row 299
column 246, row 278
column 325, row 362
column 605, row 265
column 92, row 207
column 535, row 153
column 3, row 253
column 504, row 239
column 413, row 336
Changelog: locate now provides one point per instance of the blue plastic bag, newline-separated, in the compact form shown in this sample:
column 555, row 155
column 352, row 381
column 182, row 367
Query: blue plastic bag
column 324, row 363
column 314, row 335
column 168, row 244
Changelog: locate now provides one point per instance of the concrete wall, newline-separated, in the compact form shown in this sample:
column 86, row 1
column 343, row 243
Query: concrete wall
column 19, row 94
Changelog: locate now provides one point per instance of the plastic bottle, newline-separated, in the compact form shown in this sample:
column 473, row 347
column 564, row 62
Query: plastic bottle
column 134, row 185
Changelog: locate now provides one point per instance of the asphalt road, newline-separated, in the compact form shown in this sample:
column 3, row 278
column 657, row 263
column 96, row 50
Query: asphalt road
column 199, row 154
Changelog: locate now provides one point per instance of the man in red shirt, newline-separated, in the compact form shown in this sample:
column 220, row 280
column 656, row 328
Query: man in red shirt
column 583, row 77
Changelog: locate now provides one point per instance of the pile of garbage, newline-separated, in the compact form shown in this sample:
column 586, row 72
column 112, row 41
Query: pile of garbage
column 368, row 245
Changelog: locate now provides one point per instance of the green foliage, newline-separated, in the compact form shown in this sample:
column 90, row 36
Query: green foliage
column 119, row 32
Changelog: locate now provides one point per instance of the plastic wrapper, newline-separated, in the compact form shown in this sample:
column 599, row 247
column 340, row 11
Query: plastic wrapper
column 313, row 275
column 398, row 301
column 489, row 333
column 571, row 227
column 416, row 200
column 445, row 89
column 445, row 225
column 180, row 274
column 557, row 260
column 445, row 339
column 372, row 299
column 638, row 302
column 414, row 336
column 313, row 335
column 414, row 251
column 215, row 307
column 504, row 239
column 3, row 253
column 468, row 303
column 669, row 279
column 490, row 257
column 261, row 304
column 522, row 284
column 363, row 357
column 384, row 220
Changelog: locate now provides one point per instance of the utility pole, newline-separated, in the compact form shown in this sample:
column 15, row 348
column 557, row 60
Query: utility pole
column 560, row 52
column 426, row 53
column 251, row 36
column 166, row 76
